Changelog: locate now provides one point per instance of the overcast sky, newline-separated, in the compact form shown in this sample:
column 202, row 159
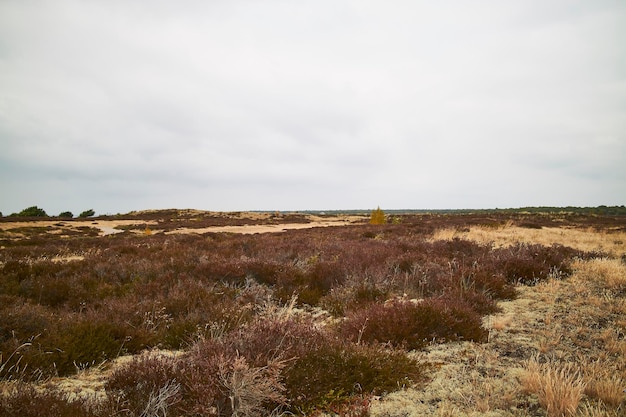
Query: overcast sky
column 121, row 105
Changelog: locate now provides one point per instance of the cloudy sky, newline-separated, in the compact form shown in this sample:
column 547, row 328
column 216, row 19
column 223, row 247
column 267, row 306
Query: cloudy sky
column 122, row 105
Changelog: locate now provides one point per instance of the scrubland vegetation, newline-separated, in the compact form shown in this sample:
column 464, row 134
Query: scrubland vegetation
column 502, row 313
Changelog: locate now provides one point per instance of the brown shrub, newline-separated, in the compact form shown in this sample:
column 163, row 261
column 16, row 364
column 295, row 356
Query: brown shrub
column 25, row 400
column 134, row 385
column 413, row 325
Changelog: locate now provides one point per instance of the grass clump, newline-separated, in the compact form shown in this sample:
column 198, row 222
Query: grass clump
column 559, row 388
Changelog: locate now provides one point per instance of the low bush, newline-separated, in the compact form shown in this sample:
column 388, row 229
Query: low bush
column 25, row 400
column 336, row 373
column 132, row 386
column 87, row 213
column 529, row 264
column 32, row 211
column 83, row 344
column 352, row 296
column 412, row 325
column 317, row 368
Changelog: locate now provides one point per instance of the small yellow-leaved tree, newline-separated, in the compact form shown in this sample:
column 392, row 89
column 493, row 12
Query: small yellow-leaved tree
column 378, row 216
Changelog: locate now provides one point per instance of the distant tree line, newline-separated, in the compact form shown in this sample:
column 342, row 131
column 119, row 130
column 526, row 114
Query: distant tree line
column 35, row 211
column 600, row 210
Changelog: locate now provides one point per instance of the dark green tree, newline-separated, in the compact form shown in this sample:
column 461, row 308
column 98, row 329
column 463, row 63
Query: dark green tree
column 66, row 214
column 33, row 211
column 87, row 213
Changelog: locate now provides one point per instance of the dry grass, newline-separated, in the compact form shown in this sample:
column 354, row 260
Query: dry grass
column 559, row 387
column 608, row 273
column 611, row 243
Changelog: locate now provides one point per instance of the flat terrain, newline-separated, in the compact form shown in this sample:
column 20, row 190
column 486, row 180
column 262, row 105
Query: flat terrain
column 184, row 312
column 246, row 223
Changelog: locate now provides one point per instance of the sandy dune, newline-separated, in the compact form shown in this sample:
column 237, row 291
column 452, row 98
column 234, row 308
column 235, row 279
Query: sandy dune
column 108, row 227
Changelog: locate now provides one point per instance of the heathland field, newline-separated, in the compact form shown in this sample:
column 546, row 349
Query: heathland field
column 190, row 313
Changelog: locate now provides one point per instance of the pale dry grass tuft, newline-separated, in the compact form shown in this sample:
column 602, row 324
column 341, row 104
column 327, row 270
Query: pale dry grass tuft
column 603, row 385
column 598, row 410
column 559, row 388
column 611, row 243
column 609, row 273
column 498, row 322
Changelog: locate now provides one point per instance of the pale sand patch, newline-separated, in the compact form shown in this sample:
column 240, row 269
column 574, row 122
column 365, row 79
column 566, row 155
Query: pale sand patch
column 68, row 258
column 262, row 228
column 109, row 227
column 106, row 227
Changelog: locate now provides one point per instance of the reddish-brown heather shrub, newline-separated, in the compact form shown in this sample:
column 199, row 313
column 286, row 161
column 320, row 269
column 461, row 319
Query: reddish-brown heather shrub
column 26, row 400
column 359, row 406
column 412, row 325
column 352, row 296
column 316, row 367
column 199, row 378
column 131, row 386
column 22, row 320
column 251, row 390
column 478, row 301
column 262, row 272
column 322, row 276
column 274, row 338
column 83, row 344
column 529, row 264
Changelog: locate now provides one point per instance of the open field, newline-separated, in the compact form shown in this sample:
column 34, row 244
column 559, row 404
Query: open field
column 188, row 313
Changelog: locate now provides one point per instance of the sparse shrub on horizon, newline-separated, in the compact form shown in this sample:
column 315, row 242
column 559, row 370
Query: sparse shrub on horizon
column 66, row 214
column 377, row 216
column 87, row 213
column 32, row 211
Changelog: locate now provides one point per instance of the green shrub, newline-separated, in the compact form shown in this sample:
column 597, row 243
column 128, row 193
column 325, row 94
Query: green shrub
column 84, row 344
column 32, row 211
column 87, row 213
column 66, row 214
column 334, row 373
